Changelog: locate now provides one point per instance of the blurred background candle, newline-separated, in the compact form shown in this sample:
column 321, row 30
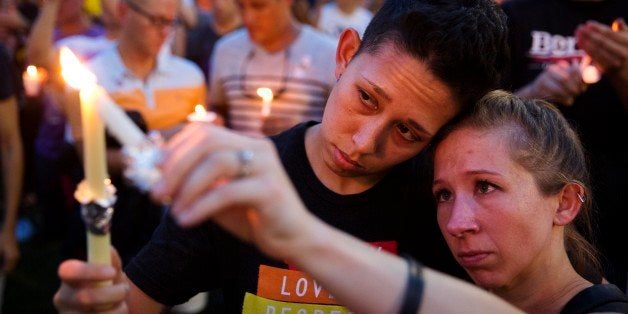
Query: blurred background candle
column 267, row 100
column 615, row 26
column 33, row 77
column 201, row 115
column 590, row 74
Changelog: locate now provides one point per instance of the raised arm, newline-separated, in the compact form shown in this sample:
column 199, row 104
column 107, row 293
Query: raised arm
column 12, row 170
column 212, row 173
column 12, row 162
column 40, row 48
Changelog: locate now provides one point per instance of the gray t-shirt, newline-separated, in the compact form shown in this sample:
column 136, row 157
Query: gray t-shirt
column 300, row 77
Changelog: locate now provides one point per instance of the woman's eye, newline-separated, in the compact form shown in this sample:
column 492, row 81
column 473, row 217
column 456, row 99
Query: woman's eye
column 367, row 99
column 442, row 196
column 407, row 133
column 484, row 187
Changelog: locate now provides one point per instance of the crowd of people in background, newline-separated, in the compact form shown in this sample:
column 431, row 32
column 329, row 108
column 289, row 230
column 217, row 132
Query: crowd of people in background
column 340, row 85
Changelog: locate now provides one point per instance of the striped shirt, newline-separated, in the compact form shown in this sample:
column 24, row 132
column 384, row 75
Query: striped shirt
column 300, row 77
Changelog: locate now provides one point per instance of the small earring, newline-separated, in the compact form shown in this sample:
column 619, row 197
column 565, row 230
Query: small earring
column 581, row 198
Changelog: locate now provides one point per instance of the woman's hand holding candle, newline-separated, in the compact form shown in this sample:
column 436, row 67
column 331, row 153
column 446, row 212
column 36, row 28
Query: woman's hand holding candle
column 95, row 197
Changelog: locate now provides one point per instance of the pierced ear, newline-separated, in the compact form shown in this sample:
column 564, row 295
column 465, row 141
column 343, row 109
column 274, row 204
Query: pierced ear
column 572, row 197
column 348, row 45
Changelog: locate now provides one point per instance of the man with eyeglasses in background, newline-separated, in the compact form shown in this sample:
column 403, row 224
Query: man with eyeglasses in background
column 276, row 52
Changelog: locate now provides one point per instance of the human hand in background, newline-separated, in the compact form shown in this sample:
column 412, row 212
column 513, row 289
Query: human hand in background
column 560, row 83
column 608, row 48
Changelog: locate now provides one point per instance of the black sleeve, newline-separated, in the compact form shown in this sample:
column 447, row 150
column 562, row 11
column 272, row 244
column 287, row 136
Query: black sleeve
column 7, row 88
column 600, row 298
column 176, row 264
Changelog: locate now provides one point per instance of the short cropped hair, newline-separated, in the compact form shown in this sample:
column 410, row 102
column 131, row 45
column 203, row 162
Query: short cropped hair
column 463, row 42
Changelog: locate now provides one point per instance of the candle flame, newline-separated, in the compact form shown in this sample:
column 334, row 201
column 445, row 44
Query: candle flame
column 31, row 70
column 200, row 114
column 615, row 26
column 267, row 97
column 73, row 72
column 266, row 94
column 200, row 109
column 590, row 74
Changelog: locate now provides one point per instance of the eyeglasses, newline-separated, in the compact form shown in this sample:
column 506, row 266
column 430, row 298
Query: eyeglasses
column 157, row 21
column 284, row 78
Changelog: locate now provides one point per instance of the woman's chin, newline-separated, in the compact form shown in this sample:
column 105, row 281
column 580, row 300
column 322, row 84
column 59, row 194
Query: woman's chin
column 487, row 280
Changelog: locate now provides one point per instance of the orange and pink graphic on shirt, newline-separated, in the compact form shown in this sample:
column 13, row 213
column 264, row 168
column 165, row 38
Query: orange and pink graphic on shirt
column 292, row 291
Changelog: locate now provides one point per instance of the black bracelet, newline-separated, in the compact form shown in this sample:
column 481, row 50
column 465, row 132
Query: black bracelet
column 414, row 288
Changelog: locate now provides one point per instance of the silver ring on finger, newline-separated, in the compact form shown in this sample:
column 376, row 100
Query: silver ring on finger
column 245, row 159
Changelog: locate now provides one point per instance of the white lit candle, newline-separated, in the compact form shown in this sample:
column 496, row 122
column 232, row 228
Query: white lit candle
column 615, row 26
column 116, row 120
column 201, row 115
column 590, row 74
column 267, row 100
column 33, row 78
column 94, row 160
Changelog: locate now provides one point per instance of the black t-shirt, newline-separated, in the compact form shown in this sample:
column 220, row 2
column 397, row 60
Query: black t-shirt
column 7, row 88
column 396, row 212
column 597, row 299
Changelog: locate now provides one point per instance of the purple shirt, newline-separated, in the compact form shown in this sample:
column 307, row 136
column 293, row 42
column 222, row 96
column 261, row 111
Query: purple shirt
column 50, row 138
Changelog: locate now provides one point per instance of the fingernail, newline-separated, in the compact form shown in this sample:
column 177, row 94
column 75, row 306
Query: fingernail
column 183, row 219
column 159, row 188
column 109, row 271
